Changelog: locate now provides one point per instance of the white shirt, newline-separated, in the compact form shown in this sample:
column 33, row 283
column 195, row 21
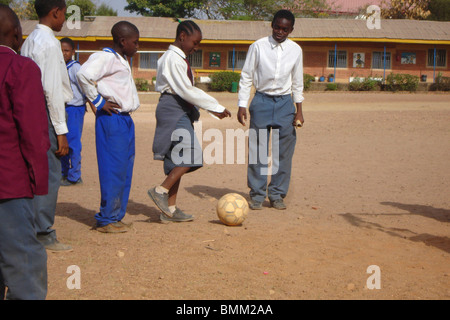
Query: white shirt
column 172, row 78
column 106, row 76
column 44, row 49
column 274, row 69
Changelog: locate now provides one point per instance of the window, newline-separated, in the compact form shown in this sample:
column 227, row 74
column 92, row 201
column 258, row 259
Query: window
column 196, row 59
column 239, row 59
column 148, row 60
column 378, row 61
column 441, row 58
column 341, row 57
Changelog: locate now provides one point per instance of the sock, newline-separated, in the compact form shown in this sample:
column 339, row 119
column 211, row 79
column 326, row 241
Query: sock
column 161, row 190
column 172, row 209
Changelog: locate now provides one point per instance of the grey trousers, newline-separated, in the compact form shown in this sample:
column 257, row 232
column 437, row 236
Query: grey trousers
column 271, row 115
column 23, row 260
column 45, row 206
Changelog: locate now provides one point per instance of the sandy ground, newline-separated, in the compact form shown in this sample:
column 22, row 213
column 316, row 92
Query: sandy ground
column 370, row 186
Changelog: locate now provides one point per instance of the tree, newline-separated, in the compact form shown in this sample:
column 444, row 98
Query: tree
column 158, row 8
column 5, row 2
column 87, row 7
column 226, row 9
column 405, row 9
column 24, row 9
column 104, row 10
column 439, row 10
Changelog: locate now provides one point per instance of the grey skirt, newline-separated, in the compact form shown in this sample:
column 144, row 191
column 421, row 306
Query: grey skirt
column 175, row 141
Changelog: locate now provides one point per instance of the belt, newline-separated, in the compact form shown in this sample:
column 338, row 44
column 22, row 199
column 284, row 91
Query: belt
column 273, row 96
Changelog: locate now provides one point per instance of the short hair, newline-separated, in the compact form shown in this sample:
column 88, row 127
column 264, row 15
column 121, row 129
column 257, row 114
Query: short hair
column 284, row 14
column 43, row 7
column 188, row 27
column 69, row 42
column 123, row 29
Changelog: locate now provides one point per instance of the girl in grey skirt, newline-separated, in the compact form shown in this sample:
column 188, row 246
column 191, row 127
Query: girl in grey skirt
column 175, row 142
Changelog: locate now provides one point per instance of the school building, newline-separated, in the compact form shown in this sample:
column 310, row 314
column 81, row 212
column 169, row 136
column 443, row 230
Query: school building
column 344, row 48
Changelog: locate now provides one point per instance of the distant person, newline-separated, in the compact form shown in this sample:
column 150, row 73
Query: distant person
column 75, row 109
column 274, row 66
column 176, row 111
column 43, row 47
column 23, row 166
column 107, row 81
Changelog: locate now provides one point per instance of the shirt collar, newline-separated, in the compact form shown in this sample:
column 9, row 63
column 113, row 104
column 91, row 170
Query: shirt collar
column 177, row 50
column 274, row 43
column 45, row 28
column 8, row 48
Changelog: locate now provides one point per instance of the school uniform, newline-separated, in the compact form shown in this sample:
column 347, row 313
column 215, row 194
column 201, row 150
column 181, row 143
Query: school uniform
column 75, row 109
column 106, row 76
column 44, row 49
column 276, row 71
column 175, row 142
column 24, row 174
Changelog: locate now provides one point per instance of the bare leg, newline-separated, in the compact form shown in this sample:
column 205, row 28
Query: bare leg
column 172, row 183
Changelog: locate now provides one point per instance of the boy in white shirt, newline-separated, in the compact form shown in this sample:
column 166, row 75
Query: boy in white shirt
column 44, row 49
column 274, row 65
column 107, row 81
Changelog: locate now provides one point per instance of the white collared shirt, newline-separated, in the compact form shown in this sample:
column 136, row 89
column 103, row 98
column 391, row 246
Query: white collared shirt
column 172, row 78
column 44, row 49
column 274, row 69
column 106, row 76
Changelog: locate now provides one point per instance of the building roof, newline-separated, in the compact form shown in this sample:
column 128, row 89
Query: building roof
column 232, row 31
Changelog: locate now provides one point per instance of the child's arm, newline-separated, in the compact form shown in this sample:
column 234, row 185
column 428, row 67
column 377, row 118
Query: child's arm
column 245, row 84
column 30, row 116
column 90, row 72
column 181, row 85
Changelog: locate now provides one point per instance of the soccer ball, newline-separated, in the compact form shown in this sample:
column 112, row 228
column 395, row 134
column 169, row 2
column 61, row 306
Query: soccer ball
column 232, row 209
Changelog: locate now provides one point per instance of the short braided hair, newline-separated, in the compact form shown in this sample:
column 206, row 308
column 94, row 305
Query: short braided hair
column 188, row 27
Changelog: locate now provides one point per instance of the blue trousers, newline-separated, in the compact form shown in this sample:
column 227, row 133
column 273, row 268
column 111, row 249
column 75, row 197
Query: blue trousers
column 45, row 206
column 71, row 164
column 115, row 143
column 276, row 115
column 23, row 260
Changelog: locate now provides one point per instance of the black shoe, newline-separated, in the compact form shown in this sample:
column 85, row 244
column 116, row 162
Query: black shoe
column 278, row 204
column 66, row 182
column 255, row 205
column 161, row 200
column 178, row 216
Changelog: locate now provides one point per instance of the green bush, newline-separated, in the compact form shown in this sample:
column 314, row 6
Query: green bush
column 364, row 85
column 331, row 86
column 221, row 81
column 307, row 79
column 142, row 84
column 401, row 82
column 441, row 84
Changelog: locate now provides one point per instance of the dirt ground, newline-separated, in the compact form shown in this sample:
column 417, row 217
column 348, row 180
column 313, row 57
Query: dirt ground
column 370, row 186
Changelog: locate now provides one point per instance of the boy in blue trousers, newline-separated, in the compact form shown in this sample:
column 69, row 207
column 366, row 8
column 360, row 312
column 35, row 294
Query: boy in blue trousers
column 75, row 109
column 107, row 82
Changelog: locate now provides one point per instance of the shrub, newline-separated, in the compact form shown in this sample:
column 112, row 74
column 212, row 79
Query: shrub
column 441, row 84
column 401, row 82
column 142, row 84
column 367, row 84
column 221, row 81
column 307, row 79
column 331, row 86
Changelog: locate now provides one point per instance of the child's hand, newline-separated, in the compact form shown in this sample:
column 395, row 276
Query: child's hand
column 110, row 108
column 63, row 146
column 222, row 115
column 242, row 115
